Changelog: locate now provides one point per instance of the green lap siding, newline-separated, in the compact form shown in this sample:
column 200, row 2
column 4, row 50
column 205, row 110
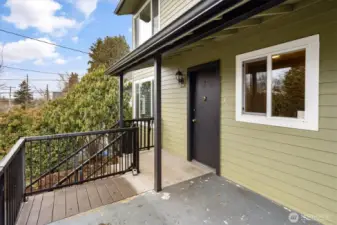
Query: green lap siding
column 295, row 168
column 171, row 10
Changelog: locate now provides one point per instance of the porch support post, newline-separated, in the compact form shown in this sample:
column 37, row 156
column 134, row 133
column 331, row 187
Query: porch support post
column 157, row 124
column 121, row 99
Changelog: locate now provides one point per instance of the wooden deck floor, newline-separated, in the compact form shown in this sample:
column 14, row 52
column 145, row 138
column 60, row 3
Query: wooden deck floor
column 59, row 204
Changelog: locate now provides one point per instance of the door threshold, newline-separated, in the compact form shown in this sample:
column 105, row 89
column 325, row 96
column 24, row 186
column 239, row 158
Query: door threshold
column 199, row 164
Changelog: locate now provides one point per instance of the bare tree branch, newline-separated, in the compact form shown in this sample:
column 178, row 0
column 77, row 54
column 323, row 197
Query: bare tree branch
column 40, row 91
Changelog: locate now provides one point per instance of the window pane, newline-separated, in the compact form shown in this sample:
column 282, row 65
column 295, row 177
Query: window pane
column 143, row 25
column 137, row 101
column 255, row 83
column 145, row 99
column 288, row 84
column 155, row 15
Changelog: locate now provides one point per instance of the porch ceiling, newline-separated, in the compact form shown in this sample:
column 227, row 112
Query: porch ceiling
column 206, row 21
column 286, row 7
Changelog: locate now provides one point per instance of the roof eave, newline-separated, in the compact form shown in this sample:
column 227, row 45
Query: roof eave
column 199, row 14
column 119, row 6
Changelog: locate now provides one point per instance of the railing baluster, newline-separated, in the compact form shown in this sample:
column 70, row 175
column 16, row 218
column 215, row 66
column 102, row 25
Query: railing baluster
column 82, row 160
column 40, row 163
column 49, row 163
column 148, row 134
column 141, row 134
column 73, row 143
column 58, row 159
column 31, row 167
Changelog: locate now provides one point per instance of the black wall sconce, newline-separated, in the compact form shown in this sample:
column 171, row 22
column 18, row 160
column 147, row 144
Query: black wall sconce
column 180, row 78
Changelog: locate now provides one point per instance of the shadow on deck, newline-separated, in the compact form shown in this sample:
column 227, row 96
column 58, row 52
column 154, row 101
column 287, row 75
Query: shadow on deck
column 59, row 204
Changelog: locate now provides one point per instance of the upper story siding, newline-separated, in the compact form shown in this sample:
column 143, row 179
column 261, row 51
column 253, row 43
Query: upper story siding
column 172, row 9
column 169, row 11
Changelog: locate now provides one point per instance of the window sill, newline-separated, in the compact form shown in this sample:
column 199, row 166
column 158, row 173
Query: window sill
column 279, row 122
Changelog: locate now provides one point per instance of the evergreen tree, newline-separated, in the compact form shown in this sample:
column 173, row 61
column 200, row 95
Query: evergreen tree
column 69, row 81
column 24, row 95
column 107, row 51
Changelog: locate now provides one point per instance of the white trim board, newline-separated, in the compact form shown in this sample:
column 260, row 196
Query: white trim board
column 311, row 117
column 134, row 94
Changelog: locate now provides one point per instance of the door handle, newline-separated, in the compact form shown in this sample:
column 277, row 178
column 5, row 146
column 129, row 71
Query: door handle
column 194, row 121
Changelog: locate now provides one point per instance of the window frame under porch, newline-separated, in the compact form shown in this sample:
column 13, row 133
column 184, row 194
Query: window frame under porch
column 134, row 96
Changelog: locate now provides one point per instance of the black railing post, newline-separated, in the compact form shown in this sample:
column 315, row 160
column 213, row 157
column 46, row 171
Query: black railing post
column 137, row 150
column 2, row 197
column 23, row 172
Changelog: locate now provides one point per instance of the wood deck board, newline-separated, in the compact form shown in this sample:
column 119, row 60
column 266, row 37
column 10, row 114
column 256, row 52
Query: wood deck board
column 25, row 212
column 71, row 201
column 113, row 190
column 95, row 200
column 124, row 187
column 103, row 192
column 59, row 211
column 46, row 212
column 83, row 198
column 35, row 211
column 41, row 209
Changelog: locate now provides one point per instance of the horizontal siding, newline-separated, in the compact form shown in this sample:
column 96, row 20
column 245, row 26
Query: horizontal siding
column 171, row 10
column 173, row 108
column 142, row 73
column 296, row 168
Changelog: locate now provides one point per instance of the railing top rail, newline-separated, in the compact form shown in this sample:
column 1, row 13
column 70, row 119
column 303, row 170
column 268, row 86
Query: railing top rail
column 11, row 154
column 140, row 119
column 76, row 134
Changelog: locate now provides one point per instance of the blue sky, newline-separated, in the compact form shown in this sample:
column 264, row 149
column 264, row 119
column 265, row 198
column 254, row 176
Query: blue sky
column 72, row 23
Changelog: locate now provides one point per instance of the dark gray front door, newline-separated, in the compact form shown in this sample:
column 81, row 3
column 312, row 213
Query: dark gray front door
column 206, row 115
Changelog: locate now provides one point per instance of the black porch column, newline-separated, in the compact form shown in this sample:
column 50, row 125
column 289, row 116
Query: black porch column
column 157, row 123
column 121, row 98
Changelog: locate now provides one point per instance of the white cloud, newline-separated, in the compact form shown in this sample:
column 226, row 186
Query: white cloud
column 27, row 49
column 38, row 14
column 78, row 58
column 39, row 62
column 60, row 61
column 130, row 29
column 86, row 6
column 74, row 39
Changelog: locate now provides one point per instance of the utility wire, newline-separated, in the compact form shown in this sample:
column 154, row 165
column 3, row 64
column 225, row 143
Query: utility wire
column 29, row 92
column 45, row 42
column 35, row 71
column 33, row 79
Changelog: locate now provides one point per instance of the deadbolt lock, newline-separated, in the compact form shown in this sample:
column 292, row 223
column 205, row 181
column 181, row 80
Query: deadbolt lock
column 194, row 120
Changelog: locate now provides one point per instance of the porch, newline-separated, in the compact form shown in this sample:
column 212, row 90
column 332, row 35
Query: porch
column 52, row 206
column 208, row 199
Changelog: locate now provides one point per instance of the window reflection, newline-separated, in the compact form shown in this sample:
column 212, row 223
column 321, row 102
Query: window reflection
column 145, row 99
column 288, row 84
column 255, row 82
column 143, row 25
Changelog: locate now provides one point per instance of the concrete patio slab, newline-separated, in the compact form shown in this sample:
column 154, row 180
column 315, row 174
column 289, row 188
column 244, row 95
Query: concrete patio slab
column 208, row 199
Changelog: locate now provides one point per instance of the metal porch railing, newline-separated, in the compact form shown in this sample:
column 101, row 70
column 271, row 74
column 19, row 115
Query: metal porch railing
column 146, row 131
column 45, row 163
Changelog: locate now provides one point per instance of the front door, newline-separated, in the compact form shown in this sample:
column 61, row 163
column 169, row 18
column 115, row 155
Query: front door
column 205, row 114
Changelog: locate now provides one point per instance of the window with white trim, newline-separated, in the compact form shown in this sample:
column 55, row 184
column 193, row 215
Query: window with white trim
column 279, row 85
column 146, row 22
column 143, row 98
